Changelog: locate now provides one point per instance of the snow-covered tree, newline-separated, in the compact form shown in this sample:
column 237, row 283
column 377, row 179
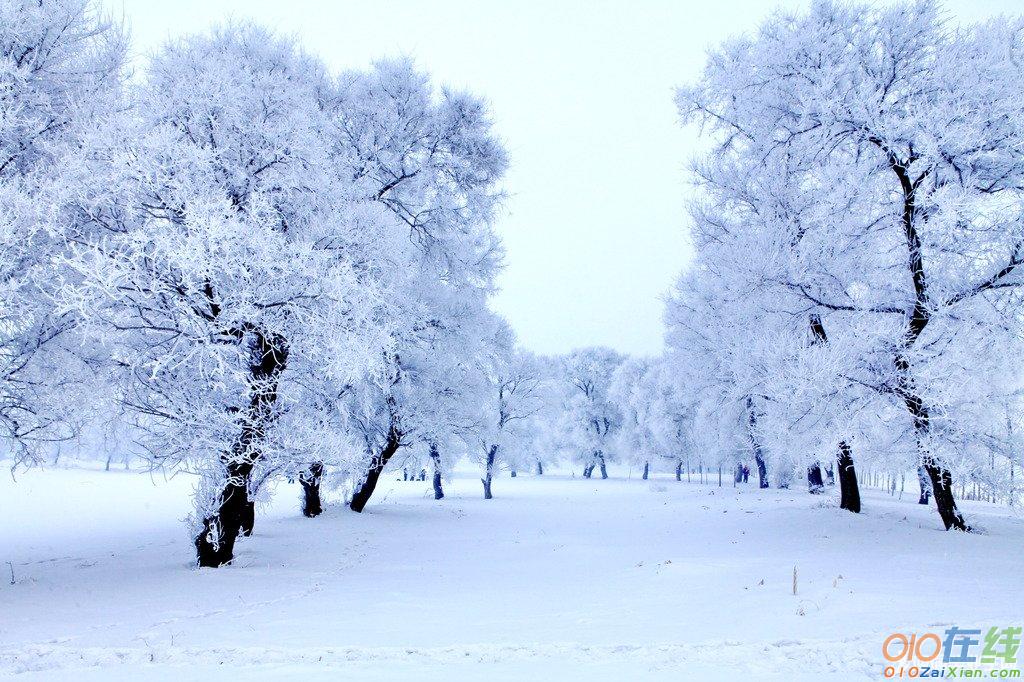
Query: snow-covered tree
column 633, row 390
column 898, row 231
column 513, row 396
column 590, row 419
column 210, row 267
column 538, row 443
column 60, row 69
column 429, row 163
column 669, row 417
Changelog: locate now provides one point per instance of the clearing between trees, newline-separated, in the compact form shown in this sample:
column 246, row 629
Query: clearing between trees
column 556, row 575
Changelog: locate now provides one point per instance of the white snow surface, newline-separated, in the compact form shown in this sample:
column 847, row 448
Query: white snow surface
column 558, row 577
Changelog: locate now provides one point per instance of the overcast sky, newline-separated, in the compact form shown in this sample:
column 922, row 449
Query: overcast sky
column 581, row 92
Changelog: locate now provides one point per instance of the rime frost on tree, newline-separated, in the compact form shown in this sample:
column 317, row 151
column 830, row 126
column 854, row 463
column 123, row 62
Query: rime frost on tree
column 865, row 187
column 60, row 69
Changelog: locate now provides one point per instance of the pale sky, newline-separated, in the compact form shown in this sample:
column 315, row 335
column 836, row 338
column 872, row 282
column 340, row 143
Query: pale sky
column 581, row 92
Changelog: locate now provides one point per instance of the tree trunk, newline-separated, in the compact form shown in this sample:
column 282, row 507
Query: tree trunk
column 942, row 489
column 234, row 513
column 604, row 471
column 215, row 544
column 815, row 483
column 920, row 317
column 436, row 457
column 310, row 481
column 492, row 455
column 512, row 473
column 849, row 492
column 762, row 471
column 939, row 475
column 438, row 489
column 926, row 486
column 679, row 471
column 248, row 518
column 362, row 496
column 587, row 470
column 830, row 474
column 540, row 468
column 647, row 468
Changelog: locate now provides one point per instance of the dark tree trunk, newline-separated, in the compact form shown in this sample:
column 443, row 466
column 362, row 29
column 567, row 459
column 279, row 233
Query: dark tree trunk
column 920, row 317
column 310, row 481
column 679, row 471
column 540, row 468
column 942, row 489
column 362, row 496
column 423, row 474
column 512, row 473
column 762, row 471
column 436, row 457
column 926, row 486
column 939, row 476
column 647, row 469
column 849, row 492
column 215, row 543
column 830, row 474
column 405, row 474
column 814, row 473
column 815, row 483
column 248, row 518
column 604, row 471
column 587, row 470
column 738, row 478
column 492, row 456
column 438, row 489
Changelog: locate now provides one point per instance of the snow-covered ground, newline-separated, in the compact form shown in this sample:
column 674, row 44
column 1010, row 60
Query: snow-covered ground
column 556, row 578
